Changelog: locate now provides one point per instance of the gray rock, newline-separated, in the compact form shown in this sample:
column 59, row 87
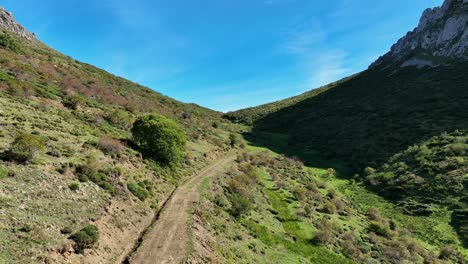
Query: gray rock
column 442, row 31
column 8, row 22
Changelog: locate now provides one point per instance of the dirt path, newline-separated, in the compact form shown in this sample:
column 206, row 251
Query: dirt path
column 166, row 241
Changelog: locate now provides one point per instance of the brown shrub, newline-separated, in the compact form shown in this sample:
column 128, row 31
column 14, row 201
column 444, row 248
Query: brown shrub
column 109, row 145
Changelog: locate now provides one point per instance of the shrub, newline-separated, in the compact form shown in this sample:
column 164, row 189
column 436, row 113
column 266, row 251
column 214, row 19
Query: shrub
column 329, row 208
column 373, row 214
column 234, row 139
column 369, row 171
column 3, row 172
column 9, row 42
column 72, row 101
column 102, row 180
column 85, row 238
column 26, row 147
column 324, row 237
column 74, row 186
column 240, row 205
column 109, row 145
column 159, row 137
column 119, row 118
column 83, row 178
column 450, row 253
column 138, row 191
column 379, row 229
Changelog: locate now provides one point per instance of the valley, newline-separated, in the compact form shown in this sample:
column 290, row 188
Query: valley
column 372, row 168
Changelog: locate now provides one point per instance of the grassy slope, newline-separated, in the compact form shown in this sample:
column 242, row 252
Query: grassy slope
column 280, row 228
column 35, row 201
column 408, row 126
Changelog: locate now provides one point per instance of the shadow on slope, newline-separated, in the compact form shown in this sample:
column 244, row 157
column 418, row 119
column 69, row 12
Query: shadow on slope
column 368, row 118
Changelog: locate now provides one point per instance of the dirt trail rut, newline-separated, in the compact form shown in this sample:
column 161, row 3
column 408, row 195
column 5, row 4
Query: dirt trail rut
column 166, row 241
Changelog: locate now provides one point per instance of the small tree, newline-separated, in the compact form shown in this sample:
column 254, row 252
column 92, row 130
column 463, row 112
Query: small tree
column 159, row 137
column 26, row 147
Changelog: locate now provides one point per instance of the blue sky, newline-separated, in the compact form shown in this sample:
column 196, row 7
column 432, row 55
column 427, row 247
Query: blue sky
column 223, row 54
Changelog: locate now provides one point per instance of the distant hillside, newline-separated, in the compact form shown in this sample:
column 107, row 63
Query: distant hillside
column 250, row 115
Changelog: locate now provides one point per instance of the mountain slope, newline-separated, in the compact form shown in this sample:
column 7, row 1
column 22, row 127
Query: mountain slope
column 402, row 124
column 85, row 170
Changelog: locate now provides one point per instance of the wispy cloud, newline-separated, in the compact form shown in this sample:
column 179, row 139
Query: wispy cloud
column 302, row 38
column 131, row 13
column 320, row 62
column 329, row 66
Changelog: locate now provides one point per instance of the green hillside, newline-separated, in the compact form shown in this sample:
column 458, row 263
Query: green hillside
column 67, row 158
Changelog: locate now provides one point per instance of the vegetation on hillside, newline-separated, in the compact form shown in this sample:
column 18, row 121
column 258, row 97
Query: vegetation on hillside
column 160, row 138
column 67, row 155
column 297, row 214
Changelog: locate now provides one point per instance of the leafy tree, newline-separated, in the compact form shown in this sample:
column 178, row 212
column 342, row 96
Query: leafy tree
column 159, row 137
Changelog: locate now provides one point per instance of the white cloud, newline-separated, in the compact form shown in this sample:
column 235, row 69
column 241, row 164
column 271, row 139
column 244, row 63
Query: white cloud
column 315, row 56
column 328, row 67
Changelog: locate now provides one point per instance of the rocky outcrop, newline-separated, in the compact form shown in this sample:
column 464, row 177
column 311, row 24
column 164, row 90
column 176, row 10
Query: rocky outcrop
column 8, row 22
column 442, row 32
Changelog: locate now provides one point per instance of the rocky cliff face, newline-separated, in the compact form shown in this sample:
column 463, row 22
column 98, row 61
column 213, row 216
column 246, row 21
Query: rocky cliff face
column 442, row 32
column 8, row 22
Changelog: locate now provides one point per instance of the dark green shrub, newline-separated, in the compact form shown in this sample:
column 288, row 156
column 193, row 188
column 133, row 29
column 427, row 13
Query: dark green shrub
column 26, row 147
column 73, row 101
column 240, row 205
column 160, row 138
column 74, row 186
column 7, row 41
column 379, row 229
column 108, row 187
column 137, row 190
column 85, row 238
column 83, row 178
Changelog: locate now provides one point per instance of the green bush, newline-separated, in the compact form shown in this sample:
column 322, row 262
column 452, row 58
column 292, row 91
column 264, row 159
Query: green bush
column 3, row 172
column 26, row 147
column 85, row 238
column 9, row 42
column 73, row 101
column 160, row 138
column 239, row 205
column 235, row 139
column 74, row 186
column 329, row 208
column 379, row 229
column 137, row 190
